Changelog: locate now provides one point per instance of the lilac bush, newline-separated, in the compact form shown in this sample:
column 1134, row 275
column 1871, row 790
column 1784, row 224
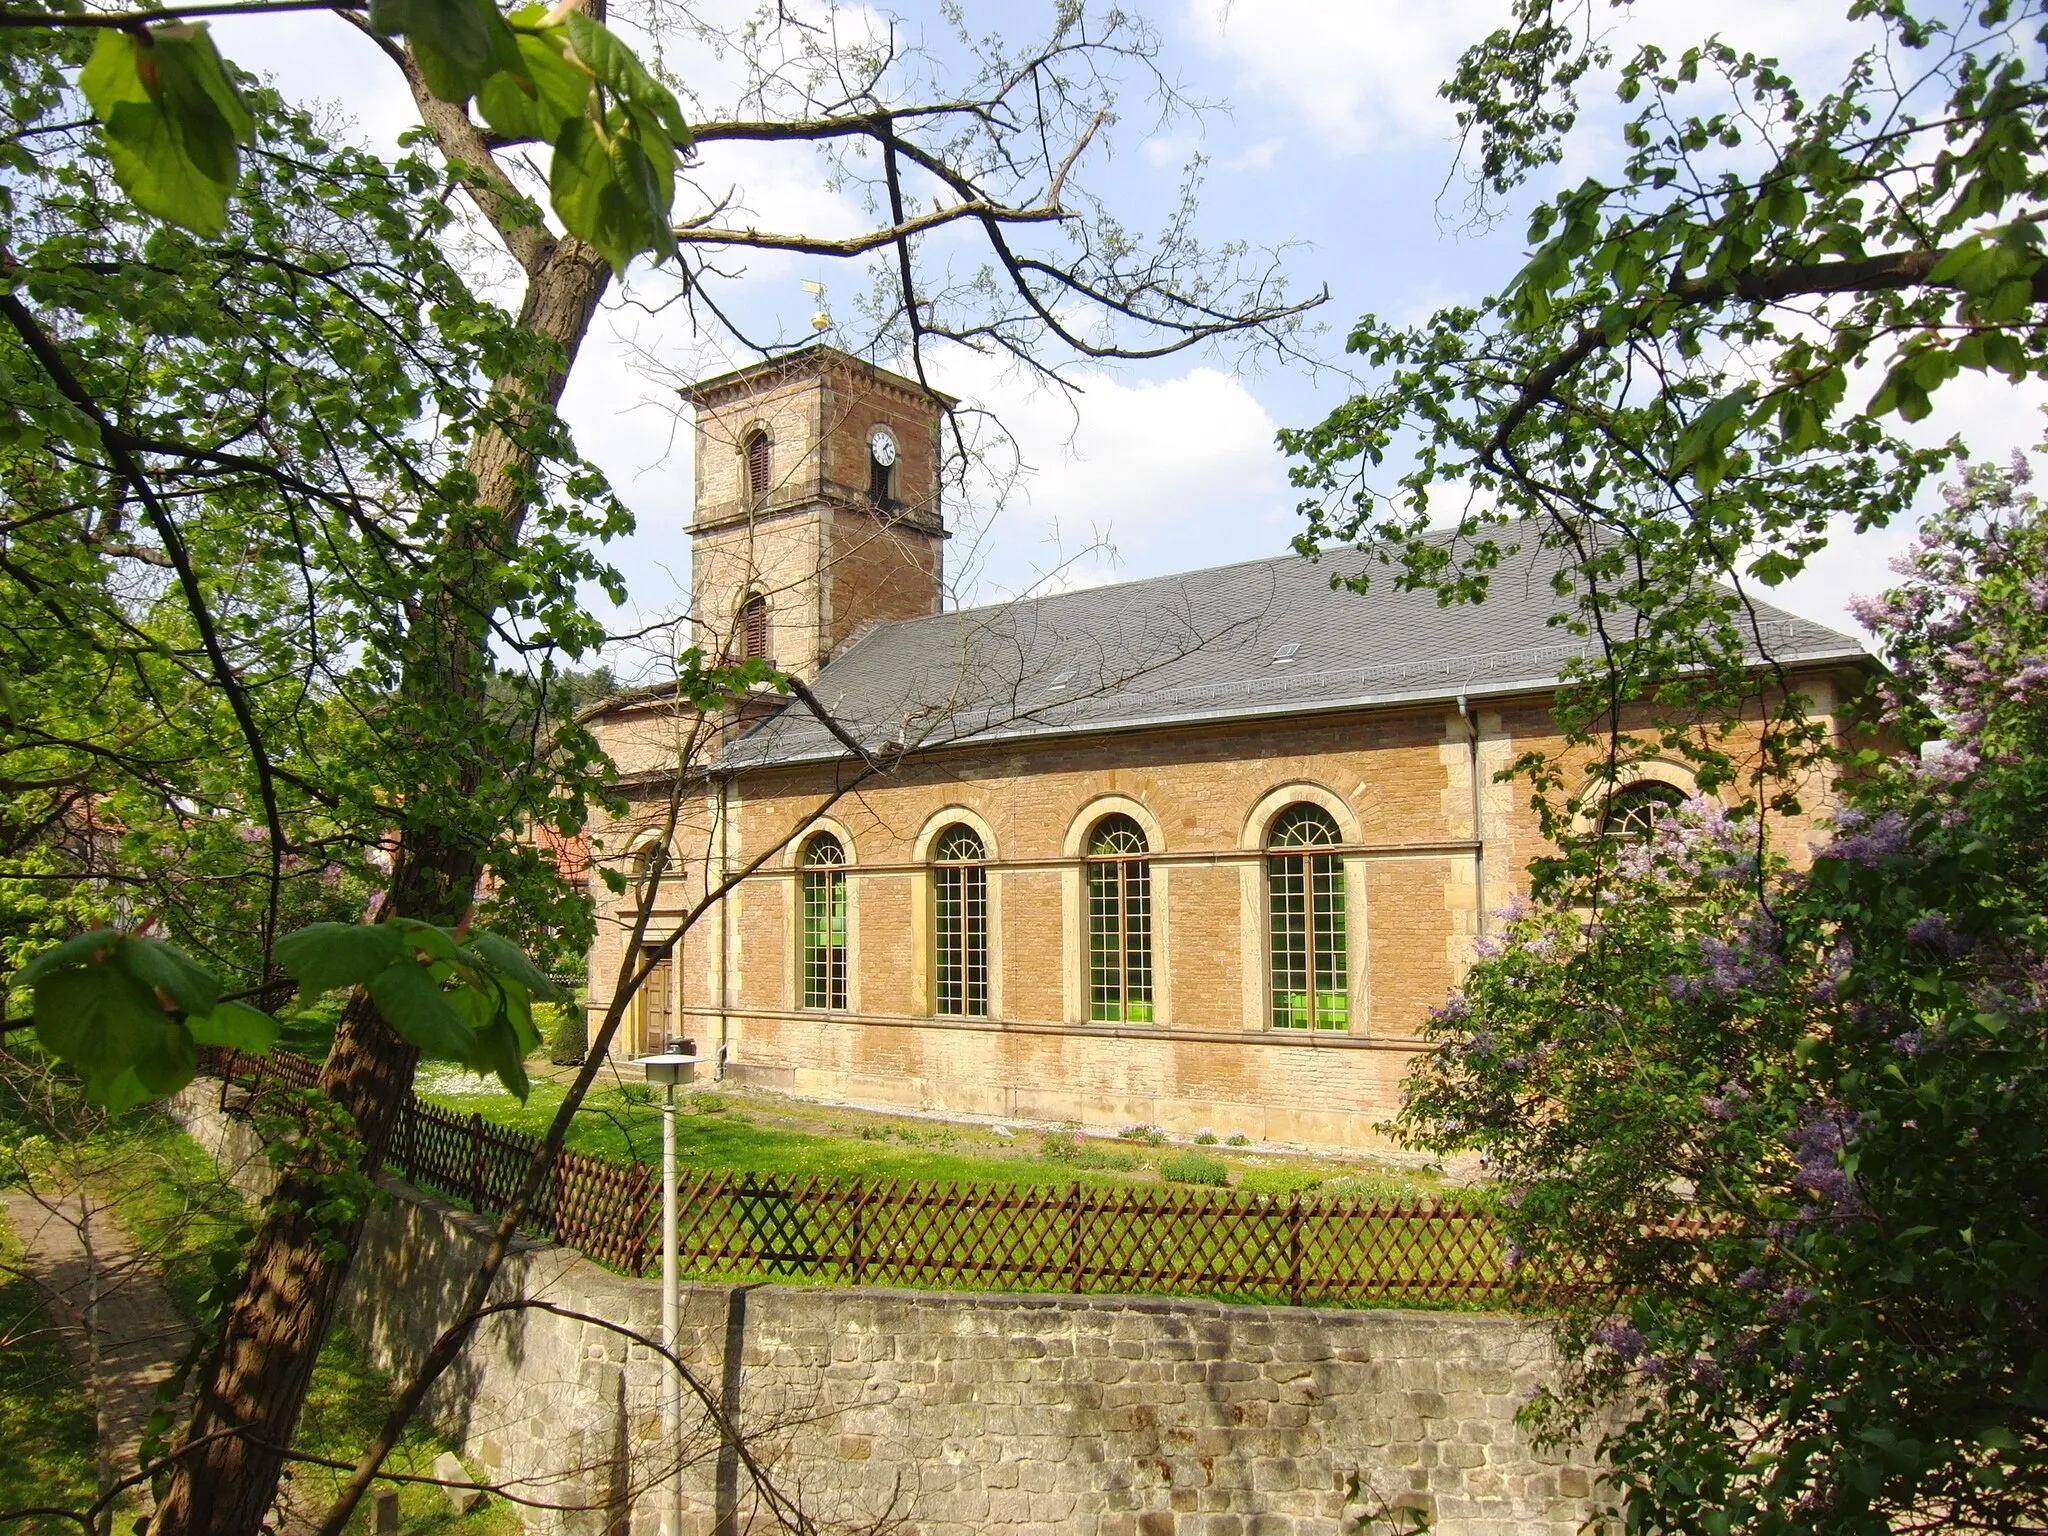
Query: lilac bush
column 1791, row 1114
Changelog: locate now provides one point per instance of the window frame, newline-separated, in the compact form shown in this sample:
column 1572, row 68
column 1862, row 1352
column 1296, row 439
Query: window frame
column 1307, row 890
column 1116, row 884
column 960, row 968
column 822, row 972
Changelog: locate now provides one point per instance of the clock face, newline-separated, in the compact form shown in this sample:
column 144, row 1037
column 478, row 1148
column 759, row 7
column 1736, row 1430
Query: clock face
column 882, row 446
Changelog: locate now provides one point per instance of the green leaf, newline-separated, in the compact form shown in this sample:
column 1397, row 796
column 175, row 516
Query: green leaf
column 98, row 1018
column 535, row 102
column 176, row 975
column 457, row 43
column 167, row 1060
column 235, row 1025
column 324, row 956
column 413, row 1003
column 620, row 71
column 174, row 121
column 435, row 942
column 77, row 951
column 497, row 1051
column 502, row 955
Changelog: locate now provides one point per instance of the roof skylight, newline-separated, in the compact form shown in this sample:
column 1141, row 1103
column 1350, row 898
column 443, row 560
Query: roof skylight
column 1287, row 653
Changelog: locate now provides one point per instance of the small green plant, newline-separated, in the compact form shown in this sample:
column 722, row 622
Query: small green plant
column 1205, row 1138
column 1150, row 1135
column 712, row 1104
column 874, row 1133
column 1060, row 1147
column 1238, row 1139
column 1194, row 1168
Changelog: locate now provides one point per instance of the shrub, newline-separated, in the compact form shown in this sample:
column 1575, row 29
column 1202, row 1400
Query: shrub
column 1238, row 1139
column 1205, row 1138
column 1194, row 1168
column 1150, row 1135
column 567, row 1032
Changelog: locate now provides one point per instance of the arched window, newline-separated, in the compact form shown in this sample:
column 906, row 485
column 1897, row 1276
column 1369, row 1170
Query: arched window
column 960, row 922
column 1305, row 900
column 1633, row 809
column 824, row 886
column 1119, row 921
column 759, row 466
column 753, row 628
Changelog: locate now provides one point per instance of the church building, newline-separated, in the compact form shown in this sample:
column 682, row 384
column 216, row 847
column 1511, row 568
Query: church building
column 1200, row 851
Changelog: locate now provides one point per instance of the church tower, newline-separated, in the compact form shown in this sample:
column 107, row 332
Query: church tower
column 817, row 507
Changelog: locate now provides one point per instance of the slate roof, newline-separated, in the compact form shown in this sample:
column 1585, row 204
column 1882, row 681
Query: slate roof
column 1266, row 637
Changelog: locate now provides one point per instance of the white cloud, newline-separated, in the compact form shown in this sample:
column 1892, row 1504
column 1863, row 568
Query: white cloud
column 1132, row 478
column 1360, row 73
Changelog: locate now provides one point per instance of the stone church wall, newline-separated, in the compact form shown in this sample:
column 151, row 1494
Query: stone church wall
column 1397, row 781
column 955, row 1414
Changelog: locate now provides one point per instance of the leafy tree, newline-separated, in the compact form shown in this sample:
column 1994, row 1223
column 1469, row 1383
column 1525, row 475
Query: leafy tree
column 1777, row 1124
column 287, row 497
column 1784, row 1126
column 1700, row 365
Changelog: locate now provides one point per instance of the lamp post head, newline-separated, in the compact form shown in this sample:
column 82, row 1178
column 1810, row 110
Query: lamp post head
column 669, row 1071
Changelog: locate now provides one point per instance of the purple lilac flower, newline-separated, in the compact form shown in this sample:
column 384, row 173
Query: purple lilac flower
column 1513, row 1258
column 1454, row 1008
column 1824, row 1133
column 1913, row 1042
column 1934, row 932
column 1867, row 842
column 1707, row 1374
column 1790, row 1300
column 1622, row 1339
column 1655, row 1367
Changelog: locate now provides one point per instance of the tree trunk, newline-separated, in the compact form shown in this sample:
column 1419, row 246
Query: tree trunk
column 258, row 1383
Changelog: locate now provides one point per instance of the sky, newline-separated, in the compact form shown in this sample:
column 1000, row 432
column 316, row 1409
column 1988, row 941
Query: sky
column 1324, row 137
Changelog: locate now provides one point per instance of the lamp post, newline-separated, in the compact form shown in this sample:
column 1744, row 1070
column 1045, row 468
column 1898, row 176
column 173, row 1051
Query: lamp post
column 667, row 1071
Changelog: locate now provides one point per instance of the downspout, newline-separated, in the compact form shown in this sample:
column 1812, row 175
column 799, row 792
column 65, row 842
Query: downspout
column 1478, row 819
column 724, row 925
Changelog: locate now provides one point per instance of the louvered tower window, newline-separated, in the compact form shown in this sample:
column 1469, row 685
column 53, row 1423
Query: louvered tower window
column 753, row 627
column 1305, row 899
column 824, row 891
column 1119, row 921
column 759, row 466
column 960, row 922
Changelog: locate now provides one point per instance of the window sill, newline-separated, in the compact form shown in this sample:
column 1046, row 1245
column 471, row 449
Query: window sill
column 1320, row 1039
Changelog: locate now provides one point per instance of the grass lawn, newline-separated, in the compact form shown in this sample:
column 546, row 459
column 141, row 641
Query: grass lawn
column 767, row 1133
column 46, row 1418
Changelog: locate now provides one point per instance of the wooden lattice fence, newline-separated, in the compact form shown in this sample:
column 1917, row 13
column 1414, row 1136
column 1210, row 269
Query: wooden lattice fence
column 1299, row 1249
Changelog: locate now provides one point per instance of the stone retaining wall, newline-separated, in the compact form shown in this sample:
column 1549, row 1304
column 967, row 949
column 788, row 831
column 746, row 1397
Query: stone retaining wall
column 956, row 1414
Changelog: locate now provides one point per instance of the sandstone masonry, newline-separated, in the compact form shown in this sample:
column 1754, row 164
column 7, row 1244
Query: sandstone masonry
column 954, row 1414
